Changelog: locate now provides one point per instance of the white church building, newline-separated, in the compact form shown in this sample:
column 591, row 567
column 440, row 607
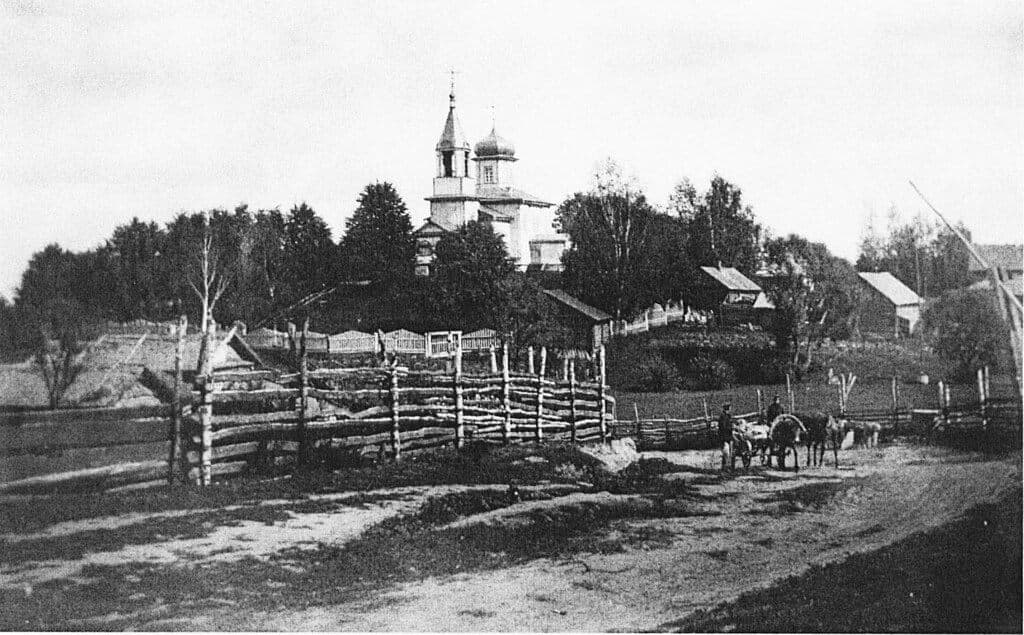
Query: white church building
column 478, row 184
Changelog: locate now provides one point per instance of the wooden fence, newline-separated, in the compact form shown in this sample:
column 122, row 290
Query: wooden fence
column 252, row 421
column 433, row 344
column 84, row 449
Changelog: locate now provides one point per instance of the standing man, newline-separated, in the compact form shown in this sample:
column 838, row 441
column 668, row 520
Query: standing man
column 725, row 436
column 774, row 410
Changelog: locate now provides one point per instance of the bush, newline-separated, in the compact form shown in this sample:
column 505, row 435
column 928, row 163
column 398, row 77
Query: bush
column 657, row 375
column 965, row 330
column 710, row 373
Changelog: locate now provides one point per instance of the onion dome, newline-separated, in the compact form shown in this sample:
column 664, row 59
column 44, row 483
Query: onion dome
column 494, row 145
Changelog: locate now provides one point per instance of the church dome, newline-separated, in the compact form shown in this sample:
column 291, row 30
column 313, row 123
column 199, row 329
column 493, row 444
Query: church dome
column 494, row 145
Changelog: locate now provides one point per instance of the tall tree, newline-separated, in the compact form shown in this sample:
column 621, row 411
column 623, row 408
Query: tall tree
column 720, row 227
column 133, row 253
column 609, row 229
column 310, row 252
column 378, row 244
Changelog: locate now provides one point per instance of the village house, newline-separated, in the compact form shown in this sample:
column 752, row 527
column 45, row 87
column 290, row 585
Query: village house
column 478, row 185
column 1008, row 261
column 734, row 298
column 887, row 307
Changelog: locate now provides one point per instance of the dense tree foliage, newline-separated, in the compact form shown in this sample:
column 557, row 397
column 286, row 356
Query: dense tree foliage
column 378, row 243
column 718, row 226
column 926, row 257
column 966, row 331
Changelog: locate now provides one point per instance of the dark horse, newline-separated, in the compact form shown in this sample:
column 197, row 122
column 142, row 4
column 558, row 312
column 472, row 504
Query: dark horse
column 786, row 433
column 824, row 429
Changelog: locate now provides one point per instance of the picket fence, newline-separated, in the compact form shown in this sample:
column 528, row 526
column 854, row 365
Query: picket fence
column 432, row 344
column 660, row 316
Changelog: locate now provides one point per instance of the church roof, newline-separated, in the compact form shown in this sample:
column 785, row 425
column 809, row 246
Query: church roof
column 495, row 215
column 494, row 145
column 505, row 194
column 430, row 228
column 452, row 137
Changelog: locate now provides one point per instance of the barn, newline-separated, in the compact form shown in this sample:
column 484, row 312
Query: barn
column 587, row 327
column 887, row 307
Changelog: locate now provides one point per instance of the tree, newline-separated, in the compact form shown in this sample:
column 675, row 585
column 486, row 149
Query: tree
column 472, row 280
column 667, row 271
column 309, row 253
column 57, row 319
column 133, row 253
column 719, row 226
column 609, row 230
column 378, row 243
column 965, row 330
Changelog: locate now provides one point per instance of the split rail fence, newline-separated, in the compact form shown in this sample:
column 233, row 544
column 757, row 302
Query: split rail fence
column 256, row 420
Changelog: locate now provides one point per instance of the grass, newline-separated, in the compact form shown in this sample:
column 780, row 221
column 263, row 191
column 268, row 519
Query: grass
column 397, row 550
column 493, row 464
column 962, row 577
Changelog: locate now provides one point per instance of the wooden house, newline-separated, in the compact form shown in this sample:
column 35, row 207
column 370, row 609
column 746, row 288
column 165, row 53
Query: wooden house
column 887, row 307
column 735, row 298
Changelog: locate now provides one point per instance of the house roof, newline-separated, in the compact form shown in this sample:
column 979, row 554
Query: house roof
column 890, row 287
column 578, row 305
column 763, row 302
column 1008, row 257
column 112, row 368
column 731, row 279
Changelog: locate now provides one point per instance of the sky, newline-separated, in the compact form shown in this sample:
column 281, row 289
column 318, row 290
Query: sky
column 819, row 112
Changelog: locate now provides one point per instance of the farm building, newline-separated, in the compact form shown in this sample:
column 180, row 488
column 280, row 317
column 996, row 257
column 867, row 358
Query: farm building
column 1008, row 259
column 887, row 307
column 119, row 370
column 735, row 298
column 588, row 327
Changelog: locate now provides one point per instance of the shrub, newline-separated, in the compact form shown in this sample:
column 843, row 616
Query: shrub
column 710, row 373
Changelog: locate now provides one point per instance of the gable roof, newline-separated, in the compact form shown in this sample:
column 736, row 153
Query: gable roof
column 578, row 305
column 430, row 228
column 731, row 279
column 1008, row 257
column 890, row 287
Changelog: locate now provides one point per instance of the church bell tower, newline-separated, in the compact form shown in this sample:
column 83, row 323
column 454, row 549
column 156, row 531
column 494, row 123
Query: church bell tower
column 454, row 200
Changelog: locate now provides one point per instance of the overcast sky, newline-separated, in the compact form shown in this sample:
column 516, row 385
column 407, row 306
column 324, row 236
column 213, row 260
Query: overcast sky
column 820, row 112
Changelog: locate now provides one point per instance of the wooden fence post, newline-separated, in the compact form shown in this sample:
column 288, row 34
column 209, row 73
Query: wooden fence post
column 789, row 395
column 494, row 359
column 565, row 369
column 707, row 417
column 396, row 438
column 760, row 404
column 602, row 389
column 942, row 403
column 176, row 450
column 540, row 394
column 572, row 400
column 895, row 408
column 506, row 398
column 948, row 401
column 303, row 393
column 639, row 428
column 460, row 423
column 982, row 399
column 206, row 411
column 530, row 367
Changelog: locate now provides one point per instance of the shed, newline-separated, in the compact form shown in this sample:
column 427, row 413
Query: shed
column 588, row 327
column 887, row 307
column 734, row 297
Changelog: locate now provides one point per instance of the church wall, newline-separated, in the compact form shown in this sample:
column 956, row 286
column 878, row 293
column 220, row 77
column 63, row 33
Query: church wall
column 452, row 214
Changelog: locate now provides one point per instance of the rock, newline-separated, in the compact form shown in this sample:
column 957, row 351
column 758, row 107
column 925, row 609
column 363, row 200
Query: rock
column 615, row 456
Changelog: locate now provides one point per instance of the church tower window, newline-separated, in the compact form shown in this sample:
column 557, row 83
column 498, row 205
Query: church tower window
column 447, row 158
column 488, row 174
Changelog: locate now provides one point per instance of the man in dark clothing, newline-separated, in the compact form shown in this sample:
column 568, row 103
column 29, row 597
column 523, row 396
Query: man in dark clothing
column 774, row 410
column 725, row 435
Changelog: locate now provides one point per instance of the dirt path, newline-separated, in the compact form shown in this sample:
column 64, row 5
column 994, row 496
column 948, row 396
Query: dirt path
column 751, row 531
column 893, row 492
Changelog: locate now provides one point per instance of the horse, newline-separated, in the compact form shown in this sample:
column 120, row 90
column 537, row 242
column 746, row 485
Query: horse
column 749, row 439
column 786, row 432
column 823, row 429
column 865, row 433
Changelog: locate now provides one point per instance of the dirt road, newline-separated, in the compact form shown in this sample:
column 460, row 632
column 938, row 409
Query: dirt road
column 743, row 533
